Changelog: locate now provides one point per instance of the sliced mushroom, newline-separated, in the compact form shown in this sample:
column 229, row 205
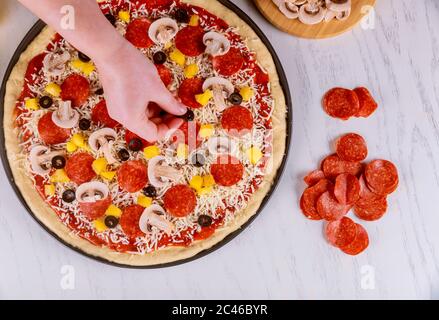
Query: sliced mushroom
column 54, row 64
column 216, row 43
column 160, row 174
column 289, row 9
column 65, row 117
column 312, row 13
column 222, row 89
column 338, row 5
column 102, row 140
column 92, row 191
column 343, row 15
column 40, row 158
column 221, row 145
column 330, row 15
column 154, row 216
column 163, row 30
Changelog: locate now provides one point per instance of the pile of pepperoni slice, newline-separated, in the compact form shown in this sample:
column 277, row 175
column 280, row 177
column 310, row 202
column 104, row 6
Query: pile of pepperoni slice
column 344, row 103
column 343, row 183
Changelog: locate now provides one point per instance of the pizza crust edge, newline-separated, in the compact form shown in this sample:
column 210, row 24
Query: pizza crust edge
column 45, row 214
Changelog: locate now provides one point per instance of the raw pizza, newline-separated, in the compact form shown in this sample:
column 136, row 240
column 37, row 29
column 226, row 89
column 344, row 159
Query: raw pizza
column 113, row 195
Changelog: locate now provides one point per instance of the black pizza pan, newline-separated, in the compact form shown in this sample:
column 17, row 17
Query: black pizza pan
column 37, row 28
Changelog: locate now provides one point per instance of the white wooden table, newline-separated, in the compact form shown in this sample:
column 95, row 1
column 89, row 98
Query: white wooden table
column 282, row 255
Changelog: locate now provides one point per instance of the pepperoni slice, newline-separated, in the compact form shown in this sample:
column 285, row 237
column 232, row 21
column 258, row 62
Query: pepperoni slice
column 371, row 210
column 180, row 201
column 95, row 210
column 100, row 115
column 333, row 166
column 129, row 136
column 188, row 133
column 381, row 177
column 329, row 208
column 347, row 189
column 137, row 33
column 341, row 233
column 310, row 196
column 366, row 195
column 230, row 63
column 129, row 221
column 49, row 132
column 132, row 176
column 204, row 233
column 360, row 243
column 237, row 121
column 368, row 104
column 76, row 89
column 352, row 147
column 165, row 74
column 261, row 77
column 227, row 170
column 189, row 41
column 313, row 177
column 341, row 103
column 79, row 168
column 187, row 91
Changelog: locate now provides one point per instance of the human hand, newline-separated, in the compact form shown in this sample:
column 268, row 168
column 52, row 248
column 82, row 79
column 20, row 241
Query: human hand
column 131, row 83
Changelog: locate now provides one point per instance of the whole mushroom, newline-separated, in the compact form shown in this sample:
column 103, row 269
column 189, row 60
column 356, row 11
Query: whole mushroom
column 154, row 216
column 40, row 158
column 163, row 30
column 160, row 174
column 222, row 89
column 102, row 141
column 216, row 43
column 54, row 64
column 65, row 117
column 91, row 192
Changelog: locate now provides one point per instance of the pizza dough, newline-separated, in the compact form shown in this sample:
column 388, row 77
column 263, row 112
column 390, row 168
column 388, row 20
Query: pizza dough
column 45, row 214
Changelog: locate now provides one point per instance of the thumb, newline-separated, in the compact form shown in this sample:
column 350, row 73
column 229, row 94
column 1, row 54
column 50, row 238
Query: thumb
column 144, row 128
column 168, row 103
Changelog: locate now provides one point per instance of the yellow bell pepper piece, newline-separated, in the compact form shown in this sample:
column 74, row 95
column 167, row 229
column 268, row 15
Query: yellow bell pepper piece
column 144, row 201
column 71, row 147
column 49, row 190
column 79, row 140
column 204, row 190
column 247, row 93
column 208, row 181
column 206, row 131
column 32, row 104
column 100, row 225
column 114, row 211
column 254, row 154
column 182, row 151
column 99, row 165
column 53, row 89
column 204, row 98
column 85, row 67
column 178, row 57
column 168, row 45
column 196, row 182
column 124, row 16
column 194, row 21
column 151, row 152
column 108, row 175
column 191, row 70
column 59, row 176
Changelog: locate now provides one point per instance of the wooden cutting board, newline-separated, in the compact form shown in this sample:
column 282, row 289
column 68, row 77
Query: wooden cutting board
column 322, row 30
